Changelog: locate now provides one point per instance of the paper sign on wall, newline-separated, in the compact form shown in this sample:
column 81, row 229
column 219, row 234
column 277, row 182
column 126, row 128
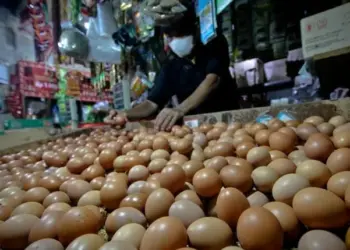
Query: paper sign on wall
column 326, row 32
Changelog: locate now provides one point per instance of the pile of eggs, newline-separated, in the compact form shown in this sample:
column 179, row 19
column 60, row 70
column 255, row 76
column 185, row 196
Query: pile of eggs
column 247, row 186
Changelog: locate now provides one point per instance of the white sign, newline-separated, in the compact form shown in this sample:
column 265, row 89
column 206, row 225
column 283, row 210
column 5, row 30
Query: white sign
column 326, row 32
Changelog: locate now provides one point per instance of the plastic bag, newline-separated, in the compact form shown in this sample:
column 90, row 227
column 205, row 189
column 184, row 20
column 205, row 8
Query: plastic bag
column 103, row 49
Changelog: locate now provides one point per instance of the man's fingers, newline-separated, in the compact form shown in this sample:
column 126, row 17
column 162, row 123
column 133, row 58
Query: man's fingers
column 166, row 122
column 172, row 122
column 160, row 118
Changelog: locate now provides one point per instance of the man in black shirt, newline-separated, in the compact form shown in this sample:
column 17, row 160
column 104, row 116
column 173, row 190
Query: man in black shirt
column 198, row 75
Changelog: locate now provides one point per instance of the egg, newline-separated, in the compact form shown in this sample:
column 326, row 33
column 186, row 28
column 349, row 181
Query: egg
column 86, row 242
column 197, row 155
column 60, row 206
column 136, row 200
column 200, row 139
column 33, row 208
column 149, row 187
column 305, row 130
column 107, row 157
column 264, row 178
column 319, row 208
column 262, row 137
column 230, row 204
column 173, row 178
column 257, row 199
column 186, row 211
column 320, row 240
column 297, row 156
column 160, row 142
column 112, row 193
column 216, row 163
column 326, row 128
column 342, row 139
column 5, row 211
column 158, row 204
column 56, row 197
column 93, row 171
column 258, row 228
column 338, row 183
column 238, row 139
column 287, row 186
column 189, row 195
column 232, row 248
column 209, row 233
column 207, row 182
column 77, row 188
column 282, row 166
column 45, row 244
column 342, row 128
column 191, row 167
column 46, row 227
column 92, row 197
column 236, row 177
column 314, row 120
column 286, row 217
column 138, row 173
column 97, row 183
column 259, row 156
column 76, row 165
column 14, row 231
column 76, row 222
column 282, row 141
column 131, row 233
column 157, row 165
column 315, row 171
column 117, row 245
column 160, row 154
column 337, row 120
column 243, row 148
column 318, row 147
column 37, row 194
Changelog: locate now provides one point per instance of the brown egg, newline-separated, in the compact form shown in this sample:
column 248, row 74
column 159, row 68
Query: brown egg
column 107, row 157
column 242, row 163
column 238, row 139
column 46, row 227
column 305, row 130
column 33, row 208
column 314, row 120
column 342, row 128
column 77, row 188
column 257, row 199
column 92, row 197
column 136, row 187
column 186, row 211
column 258, row 228
column 342, row 139
column 191, row 167
column 200, row 139
column 136, row 200
column 76, row 165
column 287, row 186
column 86, row 241
column 207, row 182
column 158, row 204
column 157, row 165
column 131, row 233
column 232, row 248
column 243, row 148
column 160, row 154
column 347, row 197
column 164, row 233
column 173, row 178
column 216, row 163
column 234, row 126
column 338, row 183
column 264, row 178
column 37, row 194
column 97, row 183
column 182, row 146
column 160, row 142
column 230, row 204
column 209, row 233
column 189, row 195
column 262, row 137
column 92, row 172
column 315, row 171
column 214, row 133
column 222, row 149
column 112, row 193
column 337, row 120
column 236, row 177
column 318, row 147
column 29, row 181
column 45, row 244
column 56, row 197
column 14, row 231
column 76, row 222
column 59, row 206
column 326, row 128
column 198, row 155
column 282, row 142
column 117, row 245
column 286, row 217
column 138, row 173
column 52, row 183
column 123, row 216
column 320, row 240
column 282, row 166
column 259, row 156
column 319, row 208
column 298, row 156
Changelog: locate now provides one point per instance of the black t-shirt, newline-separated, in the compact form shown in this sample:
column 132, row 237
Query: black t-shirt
column 181, row 77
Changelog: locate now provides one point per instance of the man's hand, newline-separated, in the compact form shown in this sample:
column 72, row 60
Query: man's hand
column 167, row 118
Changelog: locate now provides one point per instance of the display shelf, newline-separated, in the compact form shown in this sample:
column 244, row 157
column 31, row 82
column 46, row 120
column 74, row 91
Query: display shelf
column 266, row 87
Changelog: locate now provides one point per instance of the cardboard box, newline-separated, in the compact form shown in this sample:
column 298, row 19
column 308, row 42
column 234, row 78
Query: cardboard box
column 327, row 33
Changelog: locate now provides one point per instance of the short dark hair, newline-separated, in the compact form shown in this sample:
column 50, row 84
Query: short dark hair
column 185, row 25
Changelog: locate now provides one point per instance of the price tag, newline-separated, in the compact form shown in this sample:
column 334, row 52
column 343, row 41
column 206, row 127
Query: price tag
column 193, row 123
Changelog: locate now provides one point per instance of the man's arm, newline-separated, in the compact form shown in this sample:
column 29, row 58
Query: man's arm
column 210, row 82
column 141, row 111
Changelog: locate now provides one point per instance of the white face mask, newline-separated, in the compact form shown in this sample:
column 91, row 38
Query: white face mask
column 182, row 46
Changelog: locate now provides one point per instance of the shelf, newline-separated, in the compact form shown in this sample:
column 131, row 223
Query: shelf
column 266, row 87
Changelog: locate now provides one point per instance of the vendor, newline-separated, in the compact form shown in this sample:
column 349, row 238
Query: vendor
column 198, row 75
